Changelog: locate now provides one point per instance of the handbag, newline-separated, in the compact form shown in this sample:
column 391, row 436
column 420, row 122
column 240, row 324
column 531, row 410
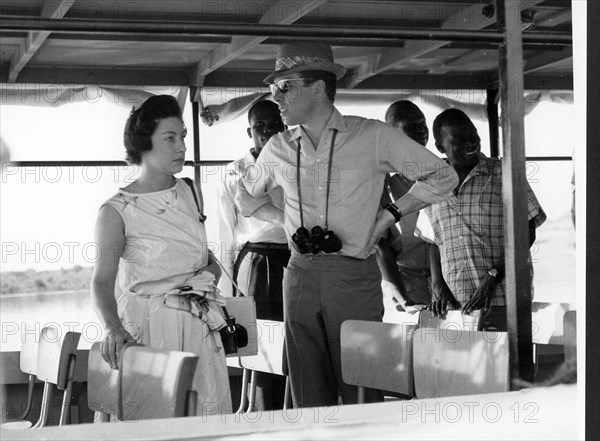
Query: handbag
column 233, row 335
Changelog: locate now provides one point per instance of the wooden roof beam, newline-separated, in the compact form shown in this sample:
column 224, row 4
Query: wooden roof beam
column 546, row 60
column 459, row 61
column 283, row 12
column 34, row 40
column 471, row 18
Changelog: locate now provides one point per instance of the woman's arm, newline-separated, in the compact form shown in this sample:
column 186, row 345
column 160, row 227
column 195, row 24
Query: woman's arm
column 110, row 238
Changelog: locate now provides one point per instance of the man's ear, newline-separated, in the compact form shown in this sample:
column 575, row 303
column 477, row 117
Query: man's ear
column 440, row 147
column 249, row 132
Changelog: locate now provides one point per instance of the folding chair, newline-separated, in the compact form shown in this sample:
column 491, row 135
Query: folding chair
column 378, row 356
column 270, row 358
column 453, row 320
column 28, row 365
column 56, row 357
column 150, row 383
column 456, row 362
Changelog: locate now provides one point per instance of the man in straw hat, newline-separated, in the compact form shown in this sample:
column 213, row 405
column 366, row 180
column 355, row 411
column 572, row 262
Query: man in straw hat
column 332, row 170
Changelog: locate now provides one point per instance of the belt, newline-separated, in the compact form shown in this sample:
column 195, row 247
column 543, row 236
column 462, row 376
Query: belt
column 266, row 246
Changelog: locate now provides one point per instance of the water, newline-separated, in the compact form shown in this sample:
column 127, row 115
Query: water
column 29, row 313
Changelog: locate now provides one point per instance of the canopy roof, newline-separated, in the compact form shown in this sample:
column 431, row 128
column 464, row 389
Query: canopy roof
column 233, row 43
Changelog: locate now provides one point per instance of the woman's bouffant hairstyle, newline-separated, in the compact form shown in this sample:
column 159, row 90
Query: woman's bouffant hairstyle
column 142, row 123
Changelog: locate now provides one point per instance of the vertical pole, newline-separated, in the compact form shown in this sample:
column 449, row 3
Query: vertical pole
column 588, row 225
column 493, row 122
column 516, row 233
column 196, row 125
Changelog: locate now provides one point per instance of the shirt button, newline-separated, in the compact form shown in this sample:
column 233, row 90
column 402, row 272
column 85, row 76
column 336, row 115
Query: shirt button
column 322, row 216
column 318, row 160
column 320, row 188
column 460, row 237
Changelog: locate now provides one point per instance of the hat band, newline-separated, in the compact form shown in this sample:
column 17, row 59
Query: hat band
column 291, row 62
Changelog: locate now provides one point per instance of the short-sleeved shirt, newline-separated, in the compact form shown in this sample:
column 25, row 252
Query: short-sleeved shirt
column 468, row 229
column 363, row 153
column 235, row 229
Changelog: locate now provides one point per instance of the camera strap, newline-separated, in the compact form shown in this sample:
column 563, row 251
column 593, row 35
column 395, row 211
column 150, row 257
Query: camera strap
column 329, row 165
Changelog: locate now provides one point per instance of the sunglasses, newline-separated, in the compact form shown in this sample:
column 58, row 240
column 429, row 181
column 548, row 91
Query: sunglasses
column 283, row 86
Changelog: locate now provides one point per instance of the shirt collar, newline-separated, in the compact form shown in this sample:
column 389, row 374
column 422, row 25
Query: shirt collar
column 483, row 166
column 336, row 121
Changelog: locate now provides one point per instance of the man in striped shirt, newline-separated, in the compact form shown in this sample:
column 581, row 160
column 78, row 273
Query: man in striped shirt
column 468, row 227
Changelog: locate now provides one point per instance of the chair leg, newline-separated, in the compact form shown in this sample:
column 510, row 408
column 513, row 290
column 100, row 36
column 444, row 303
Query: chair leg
column 191, row 403
column 252, row 399
column 287, row 395
column 29, row 398
column 244, row 395
column 64, row 411
column 46, row 398
column 361, row 395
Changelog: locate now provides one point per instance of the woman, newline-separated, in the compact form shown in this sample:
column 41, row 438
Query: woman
column 151, row 234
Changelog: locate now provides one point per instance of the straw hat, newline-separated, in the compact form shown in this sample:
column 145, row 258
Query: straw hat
column 301, row 56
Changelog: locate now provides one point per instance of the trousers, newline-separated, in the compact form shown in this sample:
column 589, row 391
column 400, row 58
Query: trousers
column 320, row 292
column 258, row 271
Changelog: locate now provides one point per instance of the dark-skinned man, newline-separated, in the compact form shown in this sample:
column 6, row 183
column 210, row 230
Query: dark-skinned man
column 468, row 227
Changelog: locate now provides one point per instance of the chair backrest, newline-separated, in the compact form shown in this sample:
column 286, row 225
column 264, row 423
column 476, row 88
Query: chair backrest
column 453, row 320
column 270, row 349
column 456, row 362
column 378, row 355
column 570, row 335
column 29, row 353
column 55, row 349
column 547, row 322
column 154, row 383
column 102, row 389
column 244, row 311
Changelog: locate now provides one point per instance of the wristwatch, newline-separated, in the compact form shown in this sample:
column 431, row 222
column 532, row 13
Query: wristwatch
column 494, row 273
column 395, row 211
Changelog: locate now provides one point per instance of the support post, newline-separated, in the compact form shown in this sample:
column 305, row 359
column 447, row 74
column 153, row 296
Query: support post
column 516, row 233
column 196, row 128
column 493, row 121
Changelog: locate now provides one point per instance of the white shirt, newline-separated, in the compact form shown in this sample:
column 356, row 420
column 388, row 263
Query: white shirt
column 233, row 229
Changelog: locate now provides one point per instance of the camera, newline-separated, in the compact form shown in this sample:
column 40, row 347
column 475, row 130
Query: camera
column 317, row 240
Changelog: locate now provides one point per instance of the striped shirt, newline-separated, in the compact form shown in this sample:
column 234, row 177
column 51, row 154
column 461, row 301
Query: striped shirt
column 468, row 230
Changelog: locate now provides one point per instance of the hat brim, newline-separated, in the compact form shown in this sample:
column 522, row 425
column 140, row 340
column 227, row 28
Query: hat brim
column 337, row 69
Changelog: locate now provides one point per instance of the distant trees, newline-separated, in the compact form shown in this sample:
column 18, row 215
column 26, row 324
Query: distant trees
column 31, row 281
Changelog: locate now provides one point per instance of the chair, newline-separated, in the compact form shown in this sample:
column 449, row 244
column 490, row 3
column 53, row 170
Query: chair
column 458, row 362
column 150, row 383
column 270, row 358
column 453, row 320
column 28, row 365
column 570, row 335
column 377, row 355
column 56, row 357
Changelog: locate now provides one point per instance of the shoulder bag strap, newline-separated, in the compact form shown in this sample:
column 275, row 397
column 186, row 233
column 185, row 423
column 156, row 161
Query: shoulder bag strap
column 190, row 184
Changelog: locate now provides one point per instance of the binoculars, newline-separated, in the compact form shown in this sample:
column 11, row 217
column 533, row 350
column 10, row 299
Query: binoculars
column 319, row 240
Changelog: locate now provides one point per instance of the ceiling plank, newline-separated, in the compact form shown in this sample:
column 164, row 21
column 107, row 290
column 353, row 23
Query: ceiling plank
column 555, row 19
column 34, row 40
column 283, row 12
column 471, row 18
column 461, row 60
column 546, row 60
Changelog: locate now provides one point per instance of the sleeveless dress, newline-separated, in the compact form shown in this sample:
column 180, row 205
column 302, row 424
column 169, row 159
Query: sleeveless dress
column 165, row 247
